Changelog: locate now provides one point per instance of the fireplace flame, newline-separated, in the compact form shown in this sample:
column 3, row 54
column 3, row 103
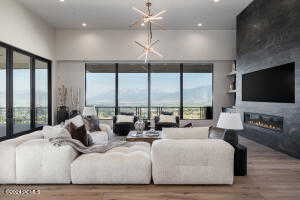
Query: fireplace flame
column 264, row 125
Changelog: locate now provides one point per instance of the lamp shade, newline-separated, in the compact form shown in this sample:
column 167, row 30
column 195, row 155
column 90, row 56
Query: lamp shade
column 89, row 111
column 230, row 121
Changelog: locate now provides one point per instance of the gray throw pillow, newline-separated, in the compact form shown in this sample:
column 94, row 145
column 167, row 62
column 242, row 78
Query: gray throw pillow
column 91, row 124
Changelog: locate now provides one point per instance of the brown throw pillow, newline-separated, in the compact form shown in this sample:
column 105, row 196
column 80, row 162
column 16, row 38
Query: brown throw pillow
column 91, row 124
column 78, row 133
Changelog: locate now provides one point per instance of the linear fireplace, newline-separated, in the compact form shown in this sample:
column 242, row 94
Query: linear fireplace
column 274, row 123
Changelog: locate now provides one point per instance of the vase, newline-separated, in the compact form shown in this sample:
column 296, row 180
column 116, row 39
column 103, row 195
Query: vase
column 139, row 126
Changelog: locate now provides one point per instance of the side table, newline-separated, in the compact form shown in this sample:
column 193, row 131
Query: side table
column 240, row 160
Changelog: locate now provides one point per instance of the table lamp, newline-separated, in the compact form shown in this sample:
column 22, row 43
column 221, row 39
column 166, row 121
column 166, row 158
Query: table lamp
column 230, row 122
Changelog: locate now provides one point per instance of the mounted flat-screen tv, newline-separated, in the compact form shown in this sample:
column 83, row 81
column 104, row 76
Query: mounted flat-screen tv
column 276, row 84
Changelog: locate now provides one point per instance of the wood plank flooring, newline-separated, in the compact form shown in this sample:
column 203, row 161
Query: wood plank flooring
column 271, row 176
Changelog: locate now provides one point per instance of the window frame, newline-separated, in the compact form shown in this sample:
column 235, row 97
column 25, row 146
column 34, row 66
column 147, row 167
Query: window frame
column 181, row 77
column 9, row 90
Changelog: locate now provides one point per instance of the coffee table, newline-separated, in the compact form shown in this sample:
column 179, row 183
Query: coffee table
column 133, row 137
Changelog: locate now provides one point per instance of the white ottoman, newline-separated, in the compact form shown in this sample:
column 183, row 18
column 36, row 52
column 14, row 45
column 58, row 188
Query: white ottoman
column 130, row 164
column 39, row 162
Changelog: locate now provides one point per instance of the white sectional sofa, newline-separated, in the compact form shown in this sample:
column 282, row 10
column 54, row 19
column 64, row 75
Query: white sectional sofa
column 30, row 159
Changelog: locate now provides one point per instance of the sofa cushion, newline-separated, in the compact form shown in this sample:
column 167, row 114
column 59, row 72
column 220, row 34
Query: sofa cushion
column 8, row 156
column 206, row 161
column 40, row 162
column 55, row 131
column 185, row 133
column 130, row 164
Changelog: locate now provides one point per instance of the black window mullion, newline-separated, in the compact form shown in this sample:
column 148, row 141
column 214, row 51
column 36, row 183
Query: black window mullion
column 32, row 92
column 117, row 89
column 149, row 91
column 49, row 93
column 9, row 93
column 181, row 91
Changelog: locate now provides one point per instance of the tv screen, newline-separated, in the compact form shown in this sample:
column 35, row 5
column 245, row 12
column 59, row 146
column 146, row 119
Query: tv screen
column 275, row 84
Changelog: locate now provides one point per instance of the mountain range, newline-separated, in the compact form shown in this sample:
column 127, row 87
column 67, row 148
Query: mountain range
column 200, row 96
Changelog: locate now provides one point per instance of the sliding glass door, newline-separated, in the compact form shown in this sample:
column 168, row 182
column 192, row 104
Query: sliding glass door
column 21, row 93
column 25, row 92
column 2, row 92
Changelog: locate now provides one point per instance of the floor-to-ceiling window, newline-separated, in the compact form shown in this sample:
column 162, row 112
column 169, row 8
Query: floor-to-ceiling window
column 100, row 89
column 21, row 93
column 197, row 90
column 2, row 91
column 165, row 88
column 148, row 89
column 25, row 91
column 133, row 88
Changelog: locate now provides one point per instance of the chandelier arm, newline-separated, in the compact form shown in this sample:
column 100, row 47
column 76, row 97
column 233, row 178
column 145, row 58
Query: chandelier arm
column 155, row 52
column 154, row 43
column 140, row 44
column 160, row 13
column 141, row 55
column 135, row 23
column 141, row 12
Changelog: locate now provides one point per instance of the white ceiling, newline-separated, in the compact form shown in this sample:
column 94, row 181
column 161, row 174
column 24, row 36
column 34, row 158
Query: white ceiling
column 118, row 14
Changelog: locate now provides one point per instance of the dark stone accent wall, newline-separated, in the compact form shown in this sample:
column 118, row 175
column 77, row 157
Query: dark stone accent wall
column 268, row 35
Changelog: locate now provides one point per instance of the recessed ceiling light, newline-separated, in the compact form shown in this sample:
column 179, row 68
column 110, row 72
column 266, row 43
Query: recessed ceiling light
column 61, row 0
column 84, row 24
column 216, row 1
column 199, row 24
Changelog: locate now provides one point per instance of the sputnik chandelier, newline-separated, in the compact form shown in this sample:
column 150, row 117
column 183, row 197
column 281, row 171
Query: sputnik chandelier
column 148, row 19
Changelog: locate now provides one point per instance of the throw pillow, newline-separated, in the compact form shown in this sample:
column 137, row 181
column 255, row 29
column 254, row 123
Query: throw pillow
column 99, row 137
column 91, row 124
column 188, row 125
column 79, row 133
column 125, row 118
column 127, row 113
column 54, row 132
column 77, row 121
column 166, row 113
column 216, row 133
column 167, row 119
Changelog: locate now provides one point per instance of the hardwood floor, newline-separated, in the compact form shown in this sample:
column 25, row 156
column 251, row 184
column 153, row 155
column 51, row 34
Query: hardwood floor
column 271, row 176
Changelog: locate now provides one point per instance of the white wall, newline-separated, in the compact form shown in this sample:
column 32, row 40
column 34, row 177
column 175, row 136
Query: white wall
column 74, row 47
column 22, row 29
column 119, row 45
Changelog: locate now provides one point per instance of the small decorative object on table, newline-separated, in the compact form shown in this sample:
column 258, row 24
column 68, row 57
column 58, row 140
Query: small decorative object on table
column 152, row 133
column 139, row 126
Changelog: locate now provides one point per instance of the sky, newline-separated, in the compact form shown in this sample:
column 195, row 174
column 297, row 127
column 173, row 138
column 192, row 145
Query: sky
column 103, row 83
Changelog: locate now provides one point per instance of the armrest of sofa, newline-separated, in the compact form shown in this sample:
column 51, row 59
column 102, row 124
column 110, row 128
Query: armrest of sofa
column 40, row 162
column 206, row 161
column 8, row 156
